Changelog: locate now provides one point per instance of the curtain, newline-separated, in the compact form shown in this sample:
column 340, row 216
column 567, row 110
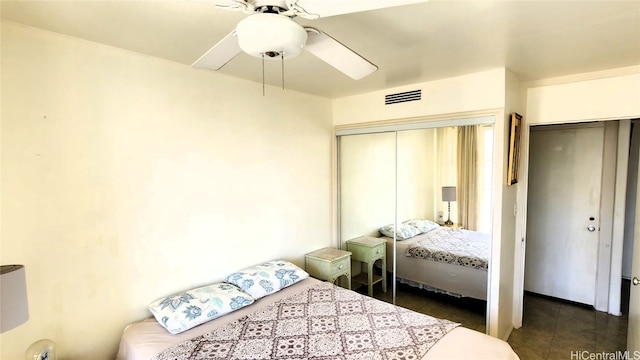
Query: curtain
column 467, row 169
column 446, row 175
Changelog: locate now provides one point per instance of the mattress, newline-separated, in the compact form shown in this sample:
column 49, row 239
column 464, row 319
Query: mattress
column 146, row 338
column 454, row 246
column 437, row 276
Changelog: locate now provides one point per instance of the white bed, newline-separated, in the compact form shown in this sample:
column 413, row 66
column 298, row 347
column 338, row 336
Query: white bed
column 445, row 277
column 143, row 340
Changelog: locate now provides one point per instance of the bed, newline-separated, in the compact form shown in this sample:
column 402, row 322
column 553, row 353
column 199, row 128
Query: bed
column 443, row 259
column 292, row 335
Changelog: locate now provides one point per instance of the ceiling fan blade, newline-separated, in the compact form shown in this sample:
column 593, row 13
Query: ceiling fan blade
column 220, row 54
column 337, row 55
column 325, row 8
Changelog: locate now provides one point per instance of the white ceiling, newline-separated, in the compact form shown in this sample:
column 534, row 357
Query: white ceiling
column 410, row 43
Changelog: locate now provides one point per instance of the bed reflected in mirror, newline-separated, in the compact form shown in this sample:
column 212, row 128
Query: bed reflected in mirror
column 391, row 196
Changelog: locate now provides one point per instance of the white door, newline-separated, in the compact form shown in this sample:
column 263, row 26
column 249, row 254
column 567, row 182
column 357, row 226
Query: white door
column 565, row 170
column 633, row 331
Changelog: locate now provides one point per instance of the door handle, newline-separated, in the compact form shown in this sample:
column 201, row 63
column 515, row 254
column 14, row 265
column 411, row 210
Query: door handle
column 635, row 281
column 591, row 228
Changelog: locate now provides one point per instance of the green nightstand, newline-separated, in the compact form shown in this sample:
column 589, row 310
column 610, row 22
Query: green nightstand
column 329, row 264
column 368, row 250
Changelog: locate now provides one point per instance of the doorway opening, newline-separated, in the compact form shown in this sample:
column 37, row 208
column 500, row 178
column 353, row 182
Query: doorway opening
column 620, row 202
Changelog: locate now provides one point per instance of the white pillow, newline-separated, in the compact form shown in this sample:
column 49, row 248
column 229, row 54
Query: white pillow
column 185, row 310
column 404, row 231
column 422, row 224
column 264, row 279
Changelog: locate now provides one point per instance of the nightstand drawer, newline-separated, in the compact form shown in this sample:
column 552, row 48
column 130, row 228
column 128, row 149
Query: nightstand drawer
column 340, row 265
column 367, row 249
column 366, row 254
column 329, row 264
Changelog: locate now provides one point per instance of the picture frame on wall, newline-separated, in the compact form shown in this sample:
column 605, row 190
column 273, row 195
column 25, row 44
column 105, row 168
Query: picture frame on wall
column 514, row 148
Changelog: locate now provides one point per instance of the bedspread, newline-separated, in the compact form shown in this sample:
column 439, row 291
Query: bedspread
column 454, row 246
column 323, row 321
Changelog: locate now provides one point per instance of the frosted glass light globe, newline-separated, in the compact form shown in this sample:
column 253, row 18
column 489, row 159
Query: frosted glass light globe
column 271, row 35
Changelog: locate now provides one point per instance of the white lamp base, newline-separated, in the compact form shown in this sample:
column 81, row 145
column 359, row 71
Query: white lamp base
column 43, row 349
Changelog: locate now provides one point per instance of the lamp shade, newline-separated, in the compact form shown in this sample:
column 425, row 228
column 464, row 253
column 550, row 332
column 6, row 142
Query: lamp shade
column 14, row 308
column 271, row 35
column 448, row 193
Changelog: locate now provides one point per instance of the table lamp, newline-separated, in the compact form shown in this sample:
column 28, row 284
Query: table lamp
column 449, row 195
column 14, row 310
column 13, row 296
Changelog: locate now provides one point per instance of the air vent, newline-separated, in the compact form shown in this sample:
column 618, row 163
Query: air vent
column 414, row 95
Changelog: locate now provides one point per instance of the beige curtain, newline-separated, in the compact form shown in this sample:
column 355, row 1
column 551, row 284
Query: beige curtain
column 447, row 150
column 467, row 170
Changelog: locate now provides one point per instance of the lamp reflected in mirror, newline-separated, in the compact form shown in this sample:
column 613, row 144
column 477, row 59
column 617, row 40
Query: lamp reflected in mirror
column 448, row 195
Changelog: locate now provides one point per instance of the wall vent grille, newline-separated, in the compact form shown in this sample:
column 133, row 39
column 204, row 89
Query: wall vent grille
column 414, row 95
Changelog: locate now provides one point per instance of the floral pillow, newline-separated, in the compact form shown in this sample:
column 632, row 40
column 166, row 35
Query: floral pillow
column 422, row 224
column 185, row 310
column 404, row 231
column 268, row 278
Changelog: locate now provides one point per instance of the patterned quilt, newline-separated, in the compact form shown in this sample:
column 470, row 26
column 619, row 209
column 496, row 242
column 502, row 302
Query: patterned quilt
column 454, row 246
column 321, row 322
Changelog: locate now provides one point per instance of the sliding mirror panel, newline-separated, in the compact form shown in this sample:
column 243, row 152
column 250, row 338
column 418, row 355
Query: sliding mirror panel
column 436, row 180
column 444, row 192
column 418, row 177
column 367, row 186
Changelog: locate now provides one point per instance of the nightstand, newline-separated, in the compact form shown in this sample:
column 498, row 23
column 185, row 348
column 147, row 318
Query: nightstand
column 368, row 250
column 455, row 226
column 329, row 264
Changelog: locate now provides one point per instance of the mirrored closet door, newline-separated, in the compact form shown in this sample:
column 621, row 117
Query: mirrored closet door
column 391, row 194
column 367, row 171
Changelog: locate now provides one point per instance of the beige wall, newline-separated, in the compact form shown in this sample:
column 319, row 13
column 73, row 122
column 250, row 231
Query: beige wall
column 126, row 178
column 510, row 239
column 608, row 97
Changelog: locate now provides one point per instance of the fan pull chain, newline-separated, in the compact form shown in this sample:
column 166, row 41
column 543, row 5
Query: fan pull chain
column 273, row 54
column 262, row 74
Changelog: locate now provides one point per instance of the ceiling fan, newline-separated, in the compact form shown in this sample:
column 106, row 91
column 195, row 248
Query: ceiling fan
column 270, row 32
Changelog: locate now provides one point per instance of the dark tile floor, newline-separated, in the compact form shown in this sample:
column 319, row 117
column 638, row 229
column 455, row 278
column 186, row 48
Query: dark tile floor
column 551, row 329
column 554, row 329
column 468, row 312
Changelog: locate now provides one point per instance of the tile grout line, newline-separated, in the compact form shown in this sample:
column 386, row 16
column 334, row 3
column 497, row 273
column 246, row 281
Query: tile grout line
column 595, row 331
column 553, row 336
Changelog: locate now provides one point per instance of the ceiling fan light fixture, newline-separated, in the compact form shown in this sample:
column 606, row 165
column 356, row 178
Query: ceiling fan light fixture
column 271, row 35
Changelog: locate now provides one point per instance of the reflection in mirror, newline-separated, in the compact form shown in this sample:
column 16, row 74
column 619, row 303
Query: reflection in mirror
column 367, row 199
column 432, row 266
